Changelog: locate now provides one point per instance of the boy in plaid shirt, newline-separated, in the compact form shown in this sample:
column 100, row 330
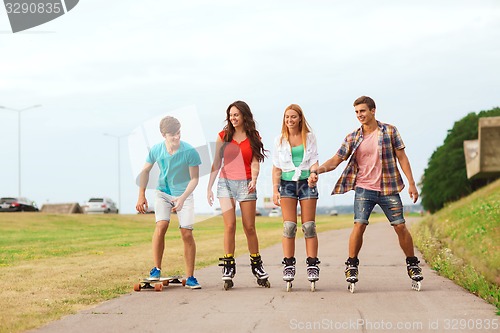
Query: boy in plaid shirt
column 373, row 174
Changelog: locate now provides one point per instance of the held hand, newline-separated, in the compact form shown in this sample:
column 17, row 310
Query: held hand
column 312, row 180
column 251, row 186
column 412, row 191
column 210, row 197
column 277, row 199
column 142, row 205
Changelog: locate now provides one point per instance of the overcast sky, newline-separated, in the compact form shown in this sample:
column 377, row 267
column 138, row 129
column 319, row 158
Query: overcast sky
column 116, row 66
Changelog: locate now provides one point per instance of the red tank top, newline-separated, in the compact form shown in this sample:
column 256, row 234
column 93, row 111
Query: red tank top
column 237, row 159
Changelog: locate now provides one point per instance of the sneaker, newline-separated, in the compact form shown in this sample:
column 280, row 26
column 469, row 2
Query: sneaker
column 154, row 274
column 192, row 283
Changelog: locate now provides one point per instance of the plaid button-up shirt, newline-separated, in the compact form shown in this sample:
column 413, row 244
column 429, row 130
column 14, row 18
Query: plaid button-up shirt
column 389, row 141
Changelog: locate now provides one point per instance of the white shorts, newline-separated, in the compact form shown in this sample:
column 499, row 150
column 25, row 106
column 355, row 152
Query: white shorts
column 163, row 209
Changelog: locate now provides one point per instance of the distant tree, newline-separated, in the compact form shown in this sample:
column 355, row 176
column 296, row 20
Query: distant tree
column 445, row 178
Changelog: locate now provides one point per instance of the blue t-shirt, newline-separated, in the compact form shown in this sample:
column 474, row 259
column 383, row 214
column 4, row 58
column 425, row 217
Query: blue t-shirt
column 174, row 169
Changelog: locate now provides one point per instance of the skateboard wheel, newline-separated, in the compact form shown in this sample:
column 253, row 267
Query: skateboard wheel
column 183, row 282
column 166, row 282
column 137, row 287
column 158, row 286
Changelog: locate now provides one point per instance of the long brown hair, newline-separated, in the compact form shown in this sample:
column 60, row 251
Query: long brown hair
column 249, row 125
column 304, row 125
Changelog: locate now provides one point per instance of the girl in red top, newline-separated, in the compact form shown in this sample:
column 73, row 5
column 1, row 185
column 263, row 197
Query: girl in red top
column 239, row 150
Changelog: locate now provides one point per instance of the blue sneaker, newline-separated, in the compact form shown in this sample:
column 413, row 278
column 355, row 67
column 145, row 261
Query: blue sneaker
column 154, row 274
column 192, row 283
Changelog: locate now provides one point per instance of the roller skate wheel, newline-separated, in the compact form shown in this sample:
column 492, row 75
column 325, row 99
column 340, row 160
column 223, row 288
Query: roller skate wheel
column 228, row 284
column 416, row 285
column 289, row 286
column 267, row 284
column 313, row 286
column 351, row 287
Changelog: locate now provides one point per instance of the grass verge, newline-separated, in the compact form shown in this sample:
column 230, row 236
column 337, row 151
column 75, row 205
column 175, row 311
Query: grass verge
column 55, row 265
column 461, row 242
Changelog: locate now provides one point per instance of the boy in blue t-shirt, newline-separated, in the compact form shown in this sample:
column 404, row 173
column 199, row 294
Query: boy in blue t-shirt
column 179, row 173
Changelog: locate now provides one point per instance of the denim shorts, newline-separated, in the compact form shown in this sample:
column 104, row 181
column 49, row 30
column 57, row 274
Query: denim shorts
column 235, row 189
column 297, row 190
column 365, row 200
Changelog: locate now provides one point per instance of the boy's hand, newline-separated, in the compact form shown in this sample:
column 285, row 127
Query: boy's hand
column 178, row 204
column 142, row 205
column 413, row 192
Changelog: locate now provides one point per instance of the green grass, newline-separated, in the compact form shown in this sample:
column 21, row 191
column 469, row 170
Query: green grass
column 462, row 242
column 64, row 258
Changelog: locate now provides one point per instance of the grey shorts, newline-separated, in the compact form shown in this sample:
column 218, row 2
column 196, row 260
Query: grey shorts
column 163, row 209
column 235, row 189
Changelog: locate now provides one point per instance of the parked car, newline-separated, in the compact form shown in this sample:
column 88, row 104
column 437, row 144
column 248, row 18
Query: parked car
column 20, row 204
column 275, row 212
column 101, row 205
column 334, row 212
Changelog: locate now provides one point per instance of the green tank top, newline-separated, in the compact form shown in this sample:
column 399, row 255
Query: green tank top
column 297, row 156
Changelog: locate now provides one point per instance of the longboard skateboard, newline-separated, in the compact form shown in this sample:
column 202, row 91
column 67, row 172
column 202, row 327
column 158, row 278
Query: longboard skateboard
column 158, row 284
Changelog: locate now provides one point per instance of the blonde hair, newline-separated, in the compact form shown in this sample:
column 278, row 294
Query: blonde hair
column 303, row 124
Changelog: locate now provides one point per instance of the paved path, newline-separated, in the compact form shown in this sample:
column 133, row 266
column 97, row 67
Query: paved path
column 383, row 300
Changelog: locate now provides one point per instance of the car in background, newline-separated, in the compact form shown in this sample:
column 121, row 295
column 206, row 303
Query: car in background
column 17, row 204
column 334, row 212
column 101, row 206
column 275, row 212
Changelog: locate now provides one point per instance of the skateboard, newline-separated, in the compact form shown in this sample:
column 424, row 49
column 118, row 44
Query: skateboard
column 158, row 284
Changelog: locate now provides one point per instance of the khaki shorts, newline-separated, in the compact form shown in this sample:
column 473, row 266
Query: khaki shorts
column 163, row 209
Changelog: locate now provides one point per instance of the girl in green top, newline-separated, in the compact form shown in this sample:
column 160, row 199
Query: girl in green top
column 295, row 157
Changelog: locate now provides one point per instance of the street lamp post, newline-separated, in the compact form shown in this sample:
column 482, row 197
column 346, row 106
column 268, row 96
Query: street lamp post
column 118, row 137
column 19, row 139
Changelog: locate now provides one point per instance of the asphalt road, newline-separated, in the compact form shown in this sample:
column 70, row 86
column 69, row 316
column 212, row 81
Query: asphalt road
column 383, row 300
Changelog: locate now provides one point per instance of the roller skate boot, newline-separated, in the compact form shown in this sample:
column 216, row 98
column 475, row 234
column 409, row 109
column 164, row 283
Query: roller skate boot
column 228, row 271
column 312, row 271
column 414, row 272
column 258, row 271
column 288, row 272
column 351, row 273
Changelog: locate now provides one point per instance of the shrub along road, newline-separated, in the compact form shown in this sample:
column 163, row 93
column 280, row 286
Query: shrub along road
column 383, row 300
